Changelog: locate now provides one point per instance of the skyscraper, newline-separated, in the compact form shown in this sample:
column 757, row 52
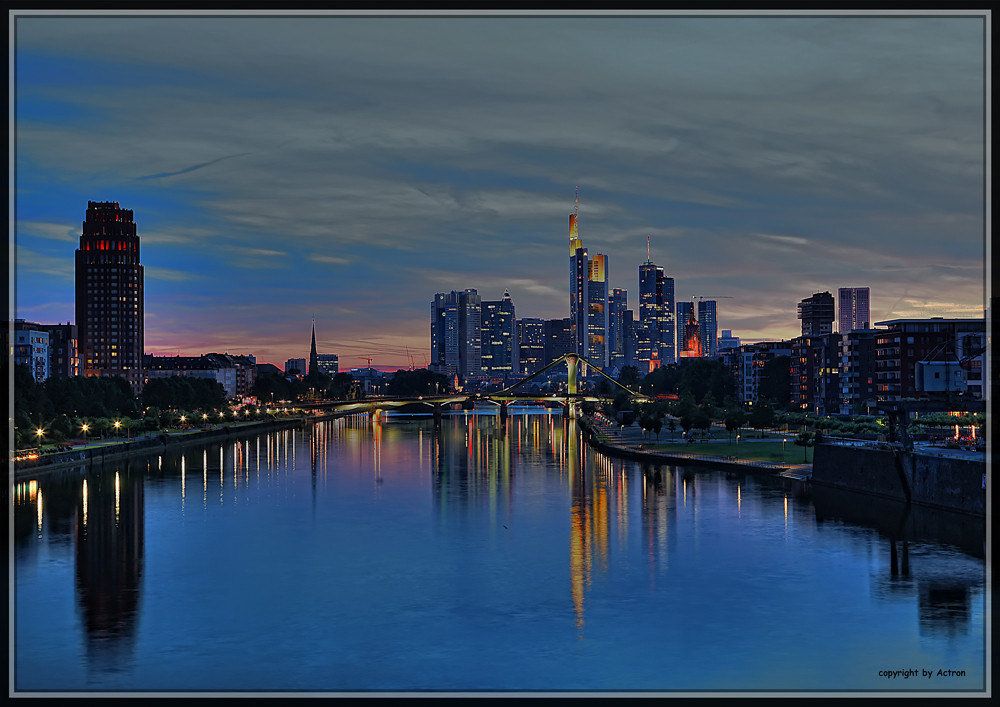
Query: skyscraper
column 816, row 313
column 109, row 294
column 691, row 346
column 617, row 306
column 498, row 345
column 853, row 310
column 531, row 345
column 588, row 297
column 456, row 333
column 655, row 338
column 708, row 326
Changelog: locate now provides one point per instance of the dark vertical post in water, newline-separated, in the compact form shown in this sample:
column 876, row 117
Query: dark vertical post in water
column 503, row 413
column 437, row 416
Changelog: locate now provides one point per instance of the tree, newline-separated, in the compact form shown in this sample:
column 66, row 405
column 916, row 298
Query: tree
column 271, row 387
column 761, row 417
column 735, row 418
column 805, row 440
column 629, row 377
column 417, row 382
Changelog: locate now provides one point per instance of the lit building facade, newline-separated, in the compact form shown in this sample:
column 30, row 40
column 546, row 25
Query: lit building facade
column 456, row 334
column 558, row 339
column 295, row 366
column 531, row 345
column 853, row 309
column 31, row 348
column 617, row 335
column 708, row 327
column 857, row 371
column 498, row 341
column 109, row 294
column 588, row 298
column 910, row 352
column 655, row 335
column 328, row 364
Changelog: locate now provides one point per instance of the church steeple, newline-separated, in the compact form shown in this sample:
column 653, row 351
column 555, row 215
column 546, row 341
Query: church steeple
column 313, row 359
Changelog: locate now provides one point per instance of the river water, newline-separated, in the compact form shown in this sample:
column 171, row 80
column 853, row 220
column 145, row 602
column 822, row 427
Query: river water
column 387, row 557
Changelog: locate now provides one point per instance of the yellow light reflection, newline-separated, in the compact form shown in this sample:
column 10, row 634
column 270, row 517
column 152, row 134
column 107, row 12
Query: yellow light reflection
column 85, row 503
column 38, row 498
column 118, row 495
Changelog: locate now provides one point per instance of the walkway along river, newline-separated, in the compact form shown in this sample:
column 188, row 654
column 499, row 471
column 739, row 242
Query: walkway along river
column 390, row 556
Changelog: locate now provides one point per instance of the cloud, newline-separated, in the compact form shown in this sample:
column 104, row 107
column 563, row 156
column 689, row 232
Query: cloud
column 191, row 168
column 29, row 261
column 52, row 231
column 158, row 273
column 319, row 258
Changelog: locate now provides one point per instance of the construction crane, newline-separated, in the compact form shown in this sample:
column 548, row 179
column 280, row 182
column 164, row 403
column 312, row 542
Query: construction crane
column 367, row 358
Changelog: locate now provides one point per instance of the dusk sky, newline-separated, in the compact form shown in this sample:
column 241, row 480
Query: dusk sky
column 348, row 168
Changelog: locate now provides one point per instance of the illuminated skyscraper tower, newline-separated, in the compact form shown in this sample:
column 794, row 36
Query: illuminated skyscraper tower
column 588, row 297
column 109, row 294
column 655, row 341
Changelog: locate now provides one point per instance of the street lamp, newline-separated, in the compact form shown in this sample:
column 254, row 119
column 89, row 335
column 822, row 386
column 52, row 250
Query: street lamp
column 783, row 440
column 737, row 445
column 85, row 427
column 118, row 426
column 39, row 432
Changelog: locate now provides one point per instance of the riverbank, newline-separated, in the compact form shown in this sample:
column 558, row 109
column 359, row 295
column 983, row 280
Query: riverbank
column 104, row 450
column 927, row 477
column 606, row 437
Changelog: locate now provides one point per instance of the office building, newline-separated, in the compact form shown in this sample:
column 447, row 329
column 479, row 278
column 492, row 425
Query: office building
column 708, row 327
column 617, row 335
column 295, row 367
column 728, row 341
column 531, row 345
column 328, row 364
column 498, row 341
column 558, row 339
column 588, row 297
column 109, row 294
column 655, row 335
column 456, row 334
column 816, row 313
column 853, row 309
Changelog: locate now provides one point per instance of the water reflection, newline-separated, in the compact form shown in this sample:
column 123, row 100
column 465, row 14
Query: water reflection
column 943, row 585
column 666, row 539
column 109, row 563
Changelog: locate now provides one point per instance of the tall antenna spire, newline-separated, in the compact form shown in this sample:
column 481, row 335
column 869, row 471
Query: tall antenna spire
column 576, row 206
column 647, row 248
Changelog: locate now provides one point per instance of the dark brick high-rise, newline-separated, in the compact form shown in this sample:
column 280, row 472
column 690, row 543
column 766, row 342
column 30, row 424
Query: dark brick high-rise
column 109, row 294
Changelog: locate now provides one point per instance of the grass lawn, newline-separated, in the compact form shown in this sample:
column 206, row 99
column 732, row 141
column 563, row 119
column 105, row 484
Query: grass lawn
column 765, row 450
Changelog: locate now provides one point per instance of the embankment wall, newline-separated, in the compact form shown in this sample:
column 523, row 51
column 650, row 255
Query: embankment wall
column 942, row 482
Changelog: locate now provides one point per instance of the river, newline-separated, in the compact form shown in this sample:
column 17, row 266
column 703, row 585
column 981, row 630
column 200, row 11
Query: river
column 387, row 557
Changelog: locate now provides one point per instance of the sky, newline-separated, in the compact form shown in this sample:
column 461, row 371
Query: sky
column 342, row 169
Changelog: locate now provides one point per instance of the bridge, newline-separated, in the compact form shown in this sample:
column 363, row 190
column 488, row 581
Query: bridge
column 436, row 403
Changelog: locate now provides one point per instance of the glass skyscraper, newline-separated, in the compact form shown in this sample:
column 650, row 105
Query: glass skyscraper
column 655, row 339
column 853, row 309
column 588, row 298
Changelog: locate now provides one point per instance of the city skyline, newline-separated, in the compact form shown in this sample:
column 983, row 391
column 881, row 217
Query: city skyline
column 285, row 168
